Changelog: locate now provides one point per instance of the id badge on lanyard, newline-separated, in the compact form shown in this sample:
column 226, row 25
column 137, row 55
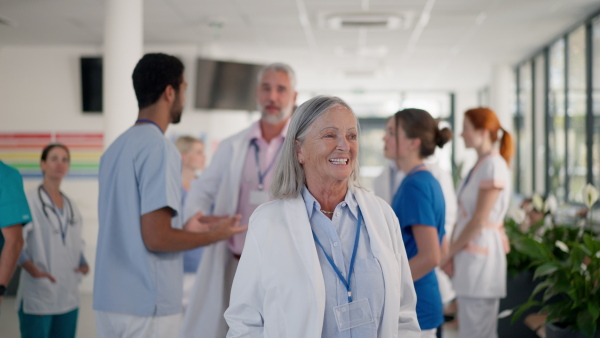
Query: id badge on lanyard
column 353, row 313
column 260, row 196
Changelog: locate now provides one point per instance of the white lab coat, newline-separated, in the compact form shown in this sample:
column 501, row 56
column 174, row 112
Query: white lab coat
column 279, row 290
column 44, row 246
column 385, row 187
column 215, row 192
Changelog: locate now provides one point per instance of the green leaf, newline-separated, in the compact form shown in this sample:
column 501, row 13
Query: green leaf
column 524, row 308
column 541, row 286
column 594, row 310
column 585, row 324
column 544, row 270
column 533, row 249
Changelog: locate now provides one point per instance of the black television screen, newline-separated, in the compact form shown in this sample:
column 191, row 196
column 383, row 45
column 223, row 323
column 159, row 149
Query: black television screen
column 226, row 85
column 91, row 84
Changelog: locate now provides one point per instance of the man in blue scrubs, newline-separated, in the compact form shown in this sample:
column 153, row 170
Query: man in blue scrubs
column 139, row 267
column 14, row 212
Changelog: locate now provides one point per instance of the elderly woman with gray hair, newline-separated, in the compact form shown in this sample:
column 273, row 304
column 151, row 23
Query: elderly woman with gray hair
column 325, row 258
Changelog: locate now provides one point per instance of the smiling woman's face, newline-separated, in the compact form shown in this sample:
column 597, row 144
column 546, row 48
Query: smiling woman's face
column 330, row 148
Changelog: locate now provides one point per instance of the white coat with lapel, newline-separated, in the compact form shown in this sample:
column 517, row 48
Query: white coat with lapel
column 279, row 290
column 215, row 192
column 45, row 248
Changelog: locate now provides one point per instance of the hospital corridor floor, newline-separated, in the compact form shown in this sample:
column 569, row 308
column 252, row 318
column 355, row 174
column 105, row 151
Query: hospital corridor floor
column 86, row 326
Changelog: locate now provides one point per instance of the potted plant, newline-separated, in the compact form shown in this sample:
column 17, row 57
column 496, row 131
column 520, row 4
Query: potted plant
column 567, row 262
column 526, row 221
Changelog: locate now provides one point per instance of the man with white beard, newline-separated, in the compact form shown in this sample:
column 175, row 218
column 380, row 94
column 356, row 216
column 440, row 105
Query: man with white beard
column 237, row 182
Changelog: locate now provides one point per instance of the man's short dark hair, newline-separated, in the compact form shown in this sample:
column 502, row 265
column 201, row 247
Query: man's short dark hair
column 152, row 74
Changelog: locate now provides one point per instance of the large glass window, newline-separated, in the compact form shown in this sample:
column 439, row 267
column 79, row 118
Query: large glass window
column 556, row 130
column 596, row 99
column 525, row 145
column 539, row 116
column 576, row 114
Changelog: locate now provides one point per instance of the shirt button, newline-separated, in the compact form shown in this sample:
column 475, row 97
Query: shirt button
column 343, row 204
column 335, row 244
column 337, row 213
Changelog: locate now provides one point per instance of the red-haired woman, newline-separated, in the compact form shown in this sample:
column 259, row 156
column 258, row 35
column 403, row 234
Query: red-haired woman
column 477, row 255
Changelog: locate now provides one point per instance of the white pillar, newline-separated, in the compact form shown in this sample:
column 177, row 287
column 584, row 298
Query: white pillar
column 123, row 41
column 502, row 96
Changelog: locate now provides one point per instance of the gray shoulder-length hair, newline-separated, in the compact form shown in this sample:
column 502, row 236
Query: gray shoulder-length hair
column 289, row 177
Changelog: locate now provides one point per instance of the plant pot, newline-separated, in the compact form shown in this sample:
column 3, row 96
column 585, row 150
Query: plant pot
column 553, row 331
column 518, row 290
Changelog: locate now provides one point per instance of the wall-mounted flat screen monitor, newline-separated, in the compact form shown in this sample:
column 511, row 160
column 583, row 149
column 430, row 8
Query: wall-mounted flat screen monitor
column 226, row 85
column 91, row 84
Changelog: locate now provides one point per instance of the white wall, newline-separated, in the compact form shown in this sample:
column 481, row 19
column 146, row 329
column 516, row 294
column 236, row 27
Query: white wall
column 40, row 91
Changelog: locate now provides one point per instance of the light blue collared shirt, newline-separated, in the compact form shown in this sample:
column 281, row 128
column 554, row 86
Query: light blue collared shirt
column 337, row 237
column 139, row 173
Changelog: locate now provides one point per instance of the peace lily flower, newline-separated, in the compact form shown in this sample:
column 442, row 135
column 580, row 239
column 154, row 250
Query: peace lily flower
column 537, row 202
column 551, row 205
column 562, row 246
column 590, row 195
column 517, row 214
column 505, row 313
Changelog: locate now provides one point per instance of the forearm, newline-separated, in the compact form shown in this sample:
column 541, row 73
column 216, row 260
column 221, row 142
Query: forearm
column 422, row 264
column 469, row 233
column 175, row 240
column 8, row 260
column 30, row 267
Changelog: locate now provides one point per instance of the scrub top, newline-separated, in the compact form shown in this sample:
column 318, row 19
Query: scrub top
column 13, row 204
column 420, row 201
column 480, row 268
column 139, row 173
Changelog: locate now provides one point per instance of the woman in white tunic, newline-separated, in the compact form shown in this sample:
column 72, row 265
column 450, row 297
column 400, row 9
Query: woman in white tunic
column 52, row 258
column 479, row 244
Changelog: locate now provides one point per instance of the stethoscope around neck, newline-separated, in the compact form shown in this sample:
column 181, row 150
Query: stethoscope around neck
column 72, row 220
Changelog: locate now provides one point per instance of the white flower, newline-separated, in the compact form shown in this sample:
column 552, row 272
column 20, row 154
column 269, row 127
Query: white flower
column 550, row 205
column 505, row 313
column 562, row 246
column 583, row 267
column 590, row 195
column 538, row 202
column 548, row 223
column 517, row 214
column 598, row 254
column 537, row 238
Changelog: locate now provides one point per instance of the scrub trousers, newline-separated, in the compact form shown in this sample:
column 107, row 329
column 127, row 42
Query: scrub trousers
column 477, row 317
column 48, row 326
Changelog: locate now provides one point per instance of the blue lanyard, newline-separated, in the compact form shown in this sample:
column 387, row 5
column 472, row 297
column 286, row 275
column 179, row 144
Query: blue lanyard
column 149, row 121
column 413, row 170
column 344, row 281
column 261, row 176
column 63, row 232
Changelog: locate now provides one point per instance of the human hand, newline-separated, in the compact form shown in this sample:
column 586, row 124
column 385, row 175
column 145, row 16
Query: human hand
column 84, row 269
column 37, row 273
column 448, row 268
column 201, row 223
column 227, row 227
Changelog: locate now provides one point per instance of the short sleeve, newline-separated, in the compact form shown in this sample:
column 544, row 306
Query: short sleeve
column 13, row 203
column 493, row 173
column 158, row 171
column 415, row 205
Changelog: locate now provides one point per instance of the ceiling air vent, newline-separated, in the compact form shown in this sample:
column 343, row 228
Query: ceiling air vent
column 365, row 20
